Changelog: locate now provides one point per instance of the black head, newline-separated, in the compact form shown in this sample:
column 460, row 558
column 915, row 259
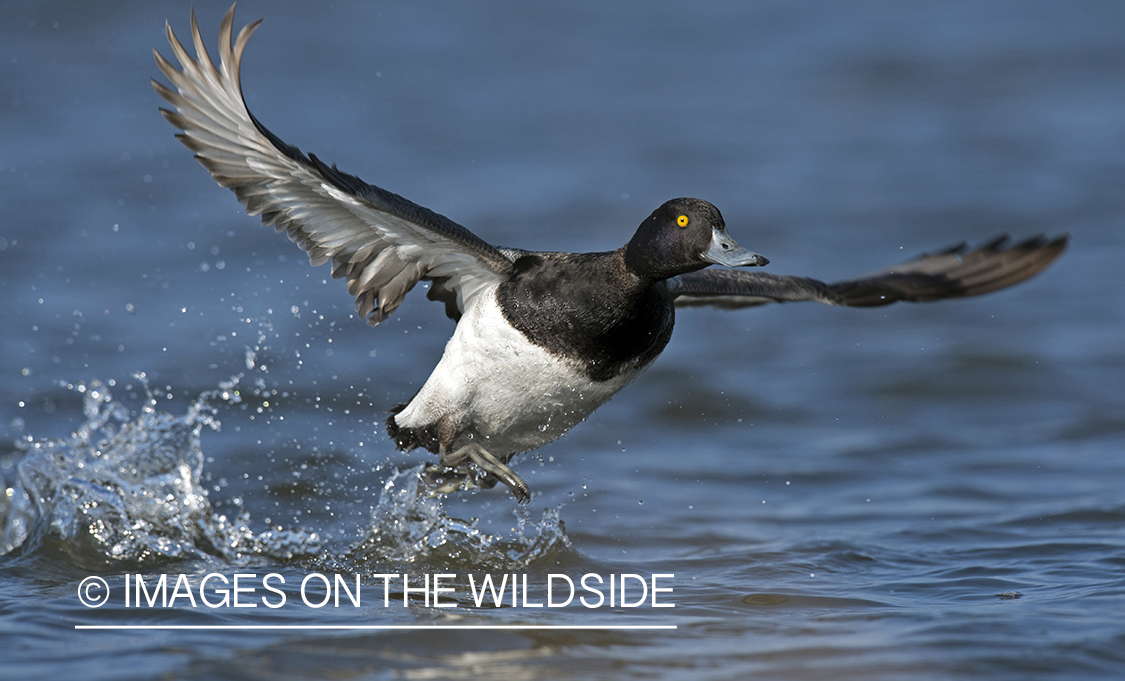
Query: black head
column 684, row 235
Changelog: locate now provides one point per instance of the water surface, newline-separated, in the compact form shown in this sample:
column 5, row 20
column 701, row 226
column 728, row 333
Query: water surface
column 924, row 491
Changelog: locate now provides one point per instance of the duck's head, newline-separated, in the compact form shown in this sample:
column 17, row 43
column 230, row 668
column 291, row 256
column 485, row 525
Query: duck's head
column 684, row 235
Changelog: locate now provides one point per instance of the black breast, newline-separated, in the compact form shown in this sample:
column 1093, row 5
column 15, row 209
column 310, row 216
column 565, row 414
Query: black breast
column 588, row 307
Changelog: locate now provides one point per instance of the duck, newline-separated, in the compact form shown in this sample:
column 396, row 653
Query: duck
column 542, row 339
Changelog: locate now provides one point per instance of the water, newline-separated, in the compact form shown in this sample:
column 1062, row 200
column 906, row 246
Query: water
column 909, row 492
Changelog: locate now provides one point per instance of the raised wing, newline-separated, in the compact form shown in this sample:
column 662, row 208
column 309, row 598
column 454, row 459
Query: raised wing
column 379, row 242
column 953, row 273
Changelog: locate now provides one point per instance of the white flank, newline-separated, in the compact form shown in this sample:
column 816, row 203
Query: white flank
column 514, row 394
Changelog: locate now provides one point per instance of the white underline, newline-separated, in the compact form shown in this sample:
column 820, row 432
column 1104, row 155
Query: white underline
column 376, row 627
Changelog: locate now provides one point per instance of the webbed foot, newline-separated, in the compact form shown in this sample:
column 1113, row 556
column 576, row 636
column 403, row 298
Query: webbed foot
column 498, row 470
column 451, row 475
column 439, row 479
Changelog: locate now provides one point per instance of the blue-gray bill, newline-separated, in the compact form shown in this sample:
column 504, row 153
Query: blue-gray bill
column 726, row 251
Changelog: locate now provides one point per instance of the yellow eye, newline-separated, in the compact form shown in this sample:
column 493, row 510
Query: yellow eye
column 682, row 221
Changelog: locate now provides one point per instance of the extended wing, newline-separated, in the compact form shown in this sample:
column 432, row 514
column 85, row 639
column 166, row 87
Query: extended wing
column 379, row 242
column 953, row 273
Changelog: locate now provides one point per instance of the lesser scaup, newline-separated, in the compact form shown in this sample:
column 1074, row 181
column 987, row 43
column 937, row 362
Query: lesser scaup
column 542, row 339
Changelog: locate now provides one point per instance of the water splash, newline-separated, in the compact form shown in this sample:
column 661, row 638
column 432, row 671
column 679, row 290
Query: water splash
column 408, row 525
column 125, row 487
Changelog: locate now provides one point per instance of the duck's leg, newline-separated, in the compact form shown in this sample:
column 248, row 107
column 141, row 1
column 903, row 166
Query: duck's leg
column 450, row 474
column 493, row 466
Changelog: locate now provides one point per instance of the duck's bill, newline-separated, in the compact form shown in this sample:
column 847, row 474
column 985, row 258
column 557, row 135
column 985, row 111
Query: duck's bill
column 726, row 251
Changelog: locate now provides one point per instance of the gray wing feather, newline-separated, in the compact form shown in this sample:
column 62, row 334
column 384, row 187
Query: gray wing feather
column 379, row 242
column 952, row 273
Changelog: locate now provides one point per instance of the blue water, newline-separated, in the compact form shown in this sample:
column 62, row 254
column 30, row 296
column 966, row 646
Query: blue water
column 928, row 492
